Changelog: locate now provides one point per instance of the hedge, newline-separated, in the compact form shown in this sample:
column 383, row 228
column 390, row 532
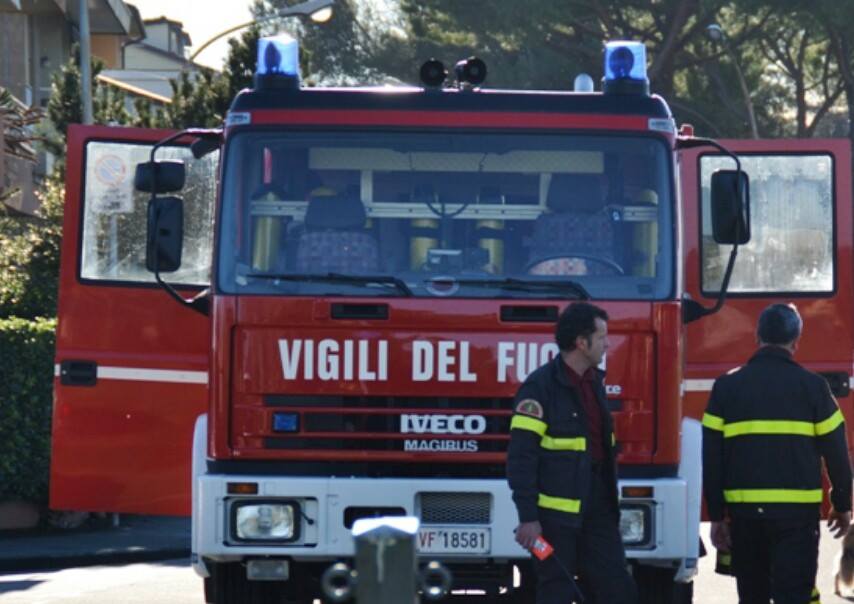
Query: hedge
column 26, row 394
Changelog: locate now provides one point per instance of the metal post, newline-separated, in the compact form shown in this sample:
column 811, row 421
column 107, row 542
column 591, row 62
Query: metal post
column 85, row 63
column 385, row 560
column 386, row 566
column 751, row 116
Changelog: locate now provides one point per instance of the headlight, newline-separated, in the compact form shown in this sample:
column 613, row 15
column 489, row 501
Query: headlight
column 635, row 526
column 265, row 520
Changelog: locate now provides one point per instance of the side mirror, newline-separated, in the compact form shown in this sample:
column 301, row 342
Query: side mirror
column 161, row 176
column 730, row 207
column 165, row 236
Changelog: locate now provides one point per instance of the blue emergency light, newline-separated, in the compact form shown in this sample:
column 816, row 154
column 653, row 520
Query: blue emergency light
column 278, row 62
column 625, row 68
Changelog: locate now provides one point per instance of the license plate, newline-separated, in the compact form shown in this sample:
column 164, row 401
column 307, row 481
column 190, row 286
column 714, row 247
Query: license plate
column 453, row 540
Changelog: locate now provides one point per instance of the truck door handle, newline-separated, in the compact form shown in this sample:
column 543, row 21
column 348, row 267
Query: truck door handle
column 78, row 373
column 838, row 382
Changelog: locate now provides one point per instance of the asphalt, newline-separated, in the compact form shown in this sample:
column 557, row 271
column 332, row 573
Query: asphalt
column 97, row 542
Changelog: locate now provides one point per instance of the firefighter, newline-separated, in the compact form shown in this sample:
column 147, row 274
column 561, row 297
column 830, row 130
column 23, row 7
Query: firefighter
column 562, row 469
column 766, row 429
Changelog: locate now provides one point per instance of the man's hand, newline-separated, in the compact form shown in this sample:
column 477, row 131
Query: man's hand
column 838, row 523
column 527, row 533
column 720, row 536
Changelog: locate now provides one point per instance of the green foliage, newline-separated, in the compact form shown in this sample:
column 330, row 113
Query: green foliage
column 26, row 384
column 796, row 60
column 18, row 135
column 196, row 103
column 29, row 257
column 108, row 106
column 240, row 63
column 362, row 43
column 65, row 106
column 145, row 114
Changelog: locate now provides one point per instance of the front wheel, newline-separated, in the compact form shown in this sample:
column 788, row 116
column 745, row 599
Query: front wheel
column 656, row 586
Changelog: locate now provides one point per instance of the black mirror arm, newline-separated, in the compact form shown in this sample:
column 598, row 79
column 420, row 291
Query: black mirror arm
column 199, row 303
column 691, row 309
column 197, row 132
column 206, row 133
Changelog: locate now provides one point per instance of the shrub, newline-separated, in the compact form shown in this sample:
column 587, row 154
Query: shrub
column 26, row 387
column 29, row 257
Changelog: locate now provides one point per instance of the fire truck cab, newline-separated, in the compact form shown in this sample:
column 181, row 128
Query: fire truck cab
column 365, row 276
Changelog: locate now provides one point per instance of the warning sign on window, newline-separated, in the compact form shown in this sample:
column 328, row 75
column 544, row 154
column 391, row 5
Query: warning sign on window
column 111, row 190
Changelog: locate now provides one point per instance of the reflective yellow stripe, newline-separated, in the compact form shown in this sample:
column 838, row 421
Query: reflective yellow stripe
column 830, row 424
column 560, row 504
column 564, row 444
column 523, row 422
column 773, row 496
column 769, row 426
column 613, row 439
column 713, row 422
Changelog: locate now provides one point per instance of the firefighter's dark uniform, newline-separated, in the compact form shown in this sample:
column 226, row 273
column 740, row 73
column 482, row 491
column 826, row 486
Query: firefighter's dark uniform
column 766, row 429
column 554, row 481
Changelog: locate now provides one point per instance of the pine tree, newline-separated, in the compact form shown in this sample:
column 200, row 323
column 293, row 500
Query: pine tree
column 65, row 105
column 197, row 103
column 240, row 62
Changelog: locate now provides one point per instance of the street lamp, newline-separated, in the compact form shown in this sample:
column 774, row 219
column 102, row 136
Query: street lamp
column 718, row 36
column 318, row 11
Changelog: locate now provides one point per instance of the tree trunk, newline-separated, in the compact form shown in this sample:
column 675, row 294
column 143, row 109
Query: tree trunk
column 841, row 49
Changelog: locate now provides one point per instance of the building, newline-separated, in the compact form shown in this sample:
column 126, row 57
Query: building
column 148, row 63
column 36, row 37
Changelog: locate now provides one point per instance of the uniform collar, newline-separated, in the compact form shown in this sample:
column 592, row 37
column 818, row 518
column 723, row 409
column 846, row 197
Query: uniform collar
column 772, row 352
column 559, row 368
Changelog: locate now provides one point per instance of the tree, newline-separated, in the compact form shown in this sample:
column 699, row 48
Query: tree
column 800, row 48
column 16, row 123
column 835, row 17
column 65, row 106
column 196, row 103
column 362, row 43
column 239, row 66
column 203, row 101
column 29, row 256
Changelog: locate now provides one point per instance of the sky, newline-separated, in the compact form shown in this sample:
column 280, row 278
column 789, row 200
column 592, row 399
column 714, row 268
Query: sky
column 202, row 19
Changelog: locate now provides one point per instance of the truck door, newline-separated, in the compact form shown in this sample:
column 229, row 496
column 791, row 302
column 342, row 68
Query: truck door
column 799, row 252
column 131, row 364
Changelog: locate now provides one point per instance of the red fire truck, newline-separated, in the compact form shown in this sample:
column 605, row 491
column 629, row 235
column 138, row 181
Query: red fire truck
column 357, row 280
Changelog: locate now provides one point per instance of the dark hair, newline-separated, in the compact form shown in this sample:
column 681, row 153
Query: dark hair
column 577, row 319
column 779, row 324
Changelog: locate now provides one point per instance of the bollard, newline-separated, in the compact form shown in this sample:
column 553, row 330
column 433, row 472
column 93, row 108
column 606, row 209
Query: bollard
column 385, row 560
column 386, row 566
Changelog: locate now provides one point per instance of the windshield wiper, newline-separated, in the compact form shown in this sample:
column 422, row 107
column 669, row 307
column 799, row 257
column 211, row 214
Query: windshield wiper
column 531, row 284
column 337, row 278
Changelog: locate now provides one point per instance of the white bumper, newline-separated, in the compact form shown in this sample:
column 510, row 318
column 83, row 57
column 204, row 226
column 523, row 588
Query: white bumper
column 674, row 512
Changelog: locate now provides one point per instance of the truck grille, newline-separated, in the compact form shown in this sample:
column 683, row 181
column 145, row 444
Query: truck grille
column 455, row 508
column 411, row 426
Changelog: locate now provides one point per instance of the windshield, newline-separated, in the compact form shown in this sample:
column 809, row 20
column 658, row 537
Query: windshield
column 462, row 214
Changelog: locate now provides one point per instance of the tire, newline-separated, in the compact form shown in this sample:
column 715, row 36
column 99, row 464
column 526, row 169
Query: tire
column 656, row 586
column 228, row 584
